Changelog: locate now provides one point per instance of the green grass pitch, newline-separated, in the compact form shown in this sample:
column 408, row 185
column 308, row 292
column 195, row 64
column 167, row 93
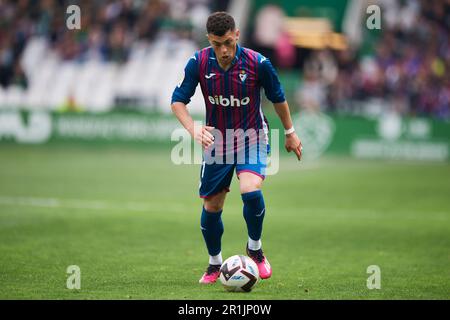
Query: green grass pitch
column 129, row 219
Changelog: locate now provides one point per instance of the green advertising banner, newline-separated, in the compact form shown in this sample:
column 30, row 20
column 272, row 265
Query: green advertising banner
column 43, row 127
column 387, row 137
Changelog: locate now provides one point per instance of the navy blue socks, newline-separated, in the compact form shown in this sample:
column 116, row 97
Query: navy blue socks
column 254, row 212
column 212, row 230
column 212, row 226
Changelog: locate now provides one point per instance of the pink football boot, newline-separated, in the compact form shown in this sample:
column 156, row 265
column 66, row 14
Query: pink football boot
column 264, row 268
column 211, row 274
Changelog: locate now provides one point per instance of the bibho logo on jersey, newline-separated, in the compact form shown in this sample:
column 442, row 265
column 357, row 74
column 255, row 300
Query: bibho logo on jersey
column 228, row 102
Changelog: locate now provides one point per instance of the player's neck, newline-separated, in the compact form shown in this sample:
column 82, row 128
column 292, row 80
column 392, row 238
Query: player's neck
column 225, row 67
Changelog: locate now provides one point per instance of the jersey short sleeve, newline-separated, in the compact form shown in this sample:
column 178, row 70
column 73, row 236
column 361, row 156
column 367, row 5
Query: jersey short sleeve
column 269, row 80
column 186, row 88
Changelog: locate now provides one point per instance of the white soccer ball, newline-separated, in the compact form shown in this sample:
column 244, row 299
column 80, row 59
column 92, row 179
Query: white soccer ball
column 239, row 273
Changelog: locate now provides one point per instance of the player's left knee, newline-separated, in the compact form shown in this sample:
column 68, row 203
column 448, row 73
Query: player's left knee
column 250, row 187
column 249, row 182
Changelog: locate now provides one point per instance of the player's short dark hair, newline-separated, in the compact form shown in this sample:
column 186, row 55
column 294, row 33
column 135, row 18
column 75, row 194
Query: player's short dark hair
column 220, row 23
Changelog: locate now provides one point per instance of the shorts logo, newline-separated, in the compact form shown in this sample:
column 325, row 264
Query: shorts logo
column 228, row 102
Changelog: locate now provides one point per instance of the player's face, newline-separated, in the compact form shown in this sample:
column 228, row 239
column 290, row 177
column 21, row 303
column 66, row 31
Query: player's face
column 224, row 46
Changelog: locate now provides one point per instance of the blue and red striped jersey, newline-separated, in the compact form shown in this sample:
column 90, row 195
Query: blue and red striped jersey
column 232, row 97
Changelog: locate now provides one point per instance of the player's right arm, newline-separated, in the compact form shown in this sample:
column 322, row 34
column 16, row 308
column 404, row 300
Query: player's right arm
column 182, row 96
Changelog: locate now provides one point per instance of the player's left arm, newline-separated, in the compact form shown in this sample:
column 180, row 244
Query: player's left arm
column 292, row 141
column 274, row 92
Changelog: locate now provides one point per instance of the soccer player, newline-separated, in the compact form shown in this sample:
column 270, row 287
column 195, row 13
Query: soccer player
column 231, row 78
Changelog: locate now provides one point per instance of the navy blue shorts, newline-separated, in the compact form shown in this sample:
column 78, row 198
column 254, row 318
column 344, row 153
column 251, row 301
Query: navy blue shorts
column 216, row 177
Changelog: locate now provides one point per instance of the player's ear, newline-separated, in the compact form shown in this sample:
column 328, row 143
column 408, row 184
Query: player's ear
column 237, row 34
column 209, row 38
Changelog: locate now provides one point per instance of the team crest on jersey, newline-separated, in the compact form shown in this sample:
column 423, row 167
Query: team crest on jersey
column 242, row 75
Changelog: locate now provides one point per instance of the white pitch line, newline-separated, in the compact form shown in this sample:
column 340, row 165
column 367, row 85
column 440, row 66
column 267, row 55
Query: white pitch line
column 317, row 212
column 74, row 204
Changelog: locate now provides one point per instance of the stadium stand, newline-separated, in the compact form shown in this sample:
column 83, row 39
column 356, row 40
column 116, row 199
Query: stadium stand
column 126, row 52
column 130, row 53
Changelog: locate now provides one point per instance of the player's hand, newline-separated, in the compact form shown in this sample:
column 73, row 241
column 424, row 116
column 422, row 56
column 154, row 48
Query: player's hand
column 293, row 143
column 203, row 135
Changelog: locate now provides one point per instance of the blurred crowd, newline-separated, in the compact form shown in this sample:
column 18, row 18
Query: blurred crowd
column 108, row 28
column 409, row 71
